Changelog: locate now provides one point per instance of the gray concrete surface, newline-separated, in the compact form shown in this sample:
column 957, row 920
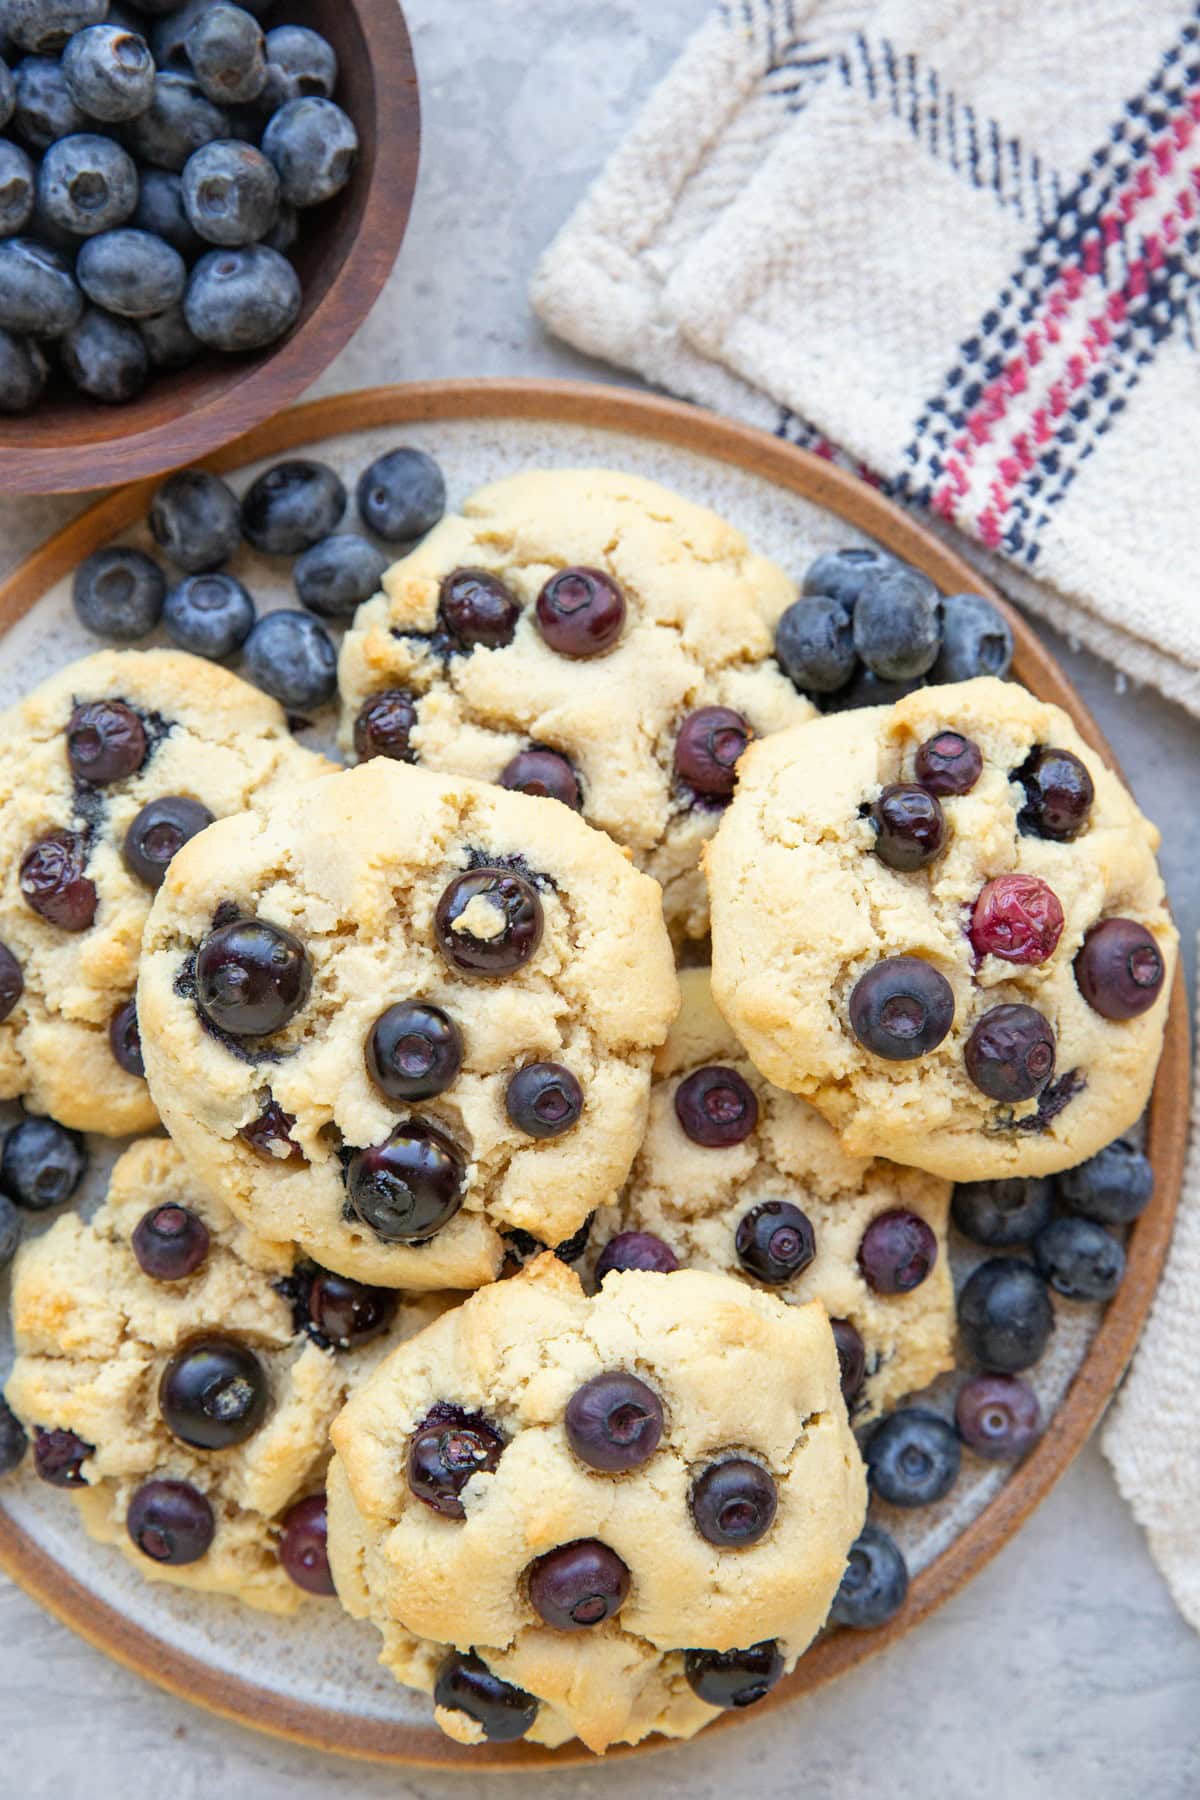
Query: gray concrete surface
column 1061, row 1673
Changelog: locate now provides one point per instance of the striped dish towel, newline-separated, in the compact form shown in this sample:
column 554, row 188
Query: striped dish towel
column 960, row 241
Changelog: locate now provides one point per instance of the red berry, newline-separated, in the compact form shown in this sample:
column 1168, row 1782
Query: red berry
column 1018, row 918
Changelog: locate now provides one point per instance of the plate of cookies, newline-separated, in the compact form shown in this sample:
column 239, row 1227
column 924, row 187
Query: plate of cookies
column 593, row 1074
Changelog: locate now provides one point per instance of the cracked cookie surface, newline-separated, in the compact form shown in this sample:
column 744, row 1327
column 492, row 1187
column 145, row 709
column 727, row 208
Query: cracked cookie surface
column 207, row 736
column 735, row 1372
column 94, row 1333
column 355, row 868
column 803, row 908
column 698, row 632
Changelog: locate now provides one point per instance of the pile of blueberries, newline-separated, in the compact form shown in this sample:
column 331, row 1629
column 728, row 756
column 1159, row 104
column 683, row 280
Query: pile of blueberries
column 295, row 509
column 1005, row 1319
column 154, row 166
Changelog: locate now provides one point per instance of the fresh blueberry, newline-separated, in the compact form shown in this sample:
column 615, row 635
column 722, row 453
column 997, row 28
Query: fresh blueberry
column 1059, row 792
column 774, row 1241
column 716, row 1107
column 109, row 73
column 852, row 1357
column 578, row 1586
column 87, row 184
column 17, row 186
column 841, row 574
column 59, row 1456
column 168, row 38
column 213, row 1393
column 1005, row 1315
column 170, row 1522
column 476, row 607
column 1120, row 969
column 54, row 883
column 13, row 1441
column 169, row 1242
column 544, row 773
column 24, row 372
column 210, row 615
column 897, row 1252
column 230, row 192
column 447, row 1448
column 169, row 339
column 407, row 1188
column 291, row 507
column 998, row 1416
column 543, row 1100
column 976, row 640
column 304, row 1545
column 12, row 981
column 160, row 211
column 510, row 940
column 10, row 1233
column 179, row 121
column 580, row 613
column 896, row 630
column 300, row 65
column 635, row 1250
column 242, row 298
column 912, row 1457
column 8, row 88
column 1003, row 1212
column 910, row 827
column 314, row 146
column 733, row 1678
column 228, row 56
column 414, row 1051
column 292, row 658
column 1010, row 1053
column 338, row 574
column 285, row 231
column 867, row 689
column 384, row 726
column 131, row 274
column 1114, row 1187
column 814, row 644
column 875, row 1585
column 44, row 26
column 1079, row 1259
column 158, row 831
column 106, row 741
column 948, row 764
column 733, row 1503
column 119, row 593
column 44, row 110
column 614, row 1422
column 251, row 977
column 42, row 1164
column 465, row 1684
column 195, row 518
column 402, row 495
column 39, row 296
column 106, row 357
column 902, row 1008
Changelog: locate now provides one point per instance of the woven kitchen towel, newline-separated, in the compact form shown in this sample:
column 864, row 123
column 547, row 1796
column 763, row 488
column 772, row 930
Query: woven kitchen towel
column 960, row 239
column 1151, row 1438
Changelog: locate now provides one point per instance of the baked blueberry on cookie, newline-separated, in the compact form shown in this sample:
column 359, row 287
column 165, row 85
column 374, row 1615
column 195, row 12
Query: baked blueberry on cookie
column 736, row 1175
column 597, row 1517
column 944, row 925
column 179, row 1376
column 405, row 1016
column 105, row 770
column 585, row 635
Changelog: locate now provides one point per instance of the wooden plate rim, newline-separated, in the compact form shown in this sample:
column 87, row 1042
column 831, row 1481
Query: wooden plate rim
column 813, row 478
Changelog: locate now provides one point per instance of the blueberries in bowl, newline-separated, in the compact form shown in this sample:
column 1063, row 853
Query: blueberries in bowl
column 106, row 357
column 131, row 274
column 242, row 298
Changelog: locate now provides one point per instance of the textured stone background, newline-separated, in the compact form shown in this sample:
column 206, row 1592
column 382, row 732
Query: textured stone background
column 1063, row 1671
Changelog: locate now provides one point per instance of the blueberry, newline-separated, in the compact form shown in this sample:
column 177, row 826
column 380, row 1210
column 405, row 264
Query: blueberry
column 875, row 1585
column 251, row 977
column 211, row 615
column 774, row 1241
column 578, row 1585
column 1120, row 969
column 213, row 1393
column 8, row 89
column 12, row 982
column 314, row 146
column 42, row 1164
column 976, row 640
column 580, row 613
column 543, row 1100
column 902, row 1008
column 170, row 1522
column 1059, row 792
column 109, row 73
column 852, row 1357
column 1079, row 1259
column 841, row 574
column 292, row 658
column 269, row 1135
column 169, row 1242
column 998, row 1416
column 230, row 192
column 635, row 1250
column 285, row 231
column 177, row 123
column 867, row 689
column 814, row 644
column 87, row 184
column 733, row 1503
column 338, row 574
column 300, row 64
column 896, row 630
column 347, row 1313
column 414, row 1051
column 105, row 357
column 1004, row 1314
column 1003, row 1212
column 160, row 211
column 304, row 1545
column 54, row 883
column 1115, row 1186
column 169, row 339
column 510, row 940
column 384, row 726
column 716, row 1107
column 614, row 1422
column 948, row 764
column 913, row 1457
column 910, row 827
column 17, row 184
column 544, row 773
column 158, row 831
column 707, row 747
column 10, row 1233
column 131, row 274
column 476, row 607
column 196, row 519
column 24, row 372
column 59, row 1456
column 447, row 1448
column 44, row 110
column 106, row 741
column 119, row 593
column 733, row 1678
column 13, row 1441
column 402, row 495
column 242, row 298
column 1010, row 1053
column 168, row 38
column 45, row 25
column 465, row 1684
column 407, row 1188
column 897, row 1252
column 39, row 296
column 292, row 507
column 228, row 56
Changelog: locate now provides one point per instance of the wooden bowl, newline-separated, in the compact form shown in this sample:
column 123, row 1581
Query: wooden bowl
column 662, row 421
column 69, row 443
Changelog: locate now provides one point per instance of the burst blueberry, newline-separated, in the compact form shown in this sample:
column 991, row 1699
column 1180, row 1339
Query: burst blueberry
column 59, row 1456
column 105, row 357
column 230, row 192
column 106, row 741
column 345, row 1313
column 707, row 749
column 508, row 943
column 465, row 1684
column 910, row 827
column 1010, row 1053
column 948, row 764
column 1059, row 793
column 54, row 883
column 227, row 54
column 446, row 1450
column 733, row 1679
column 476, row 607
column 384, row 726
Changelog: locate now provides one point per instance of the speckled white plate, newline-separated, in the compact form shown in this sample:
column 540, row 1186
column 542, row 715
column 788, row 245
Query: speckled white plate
column 791, row 506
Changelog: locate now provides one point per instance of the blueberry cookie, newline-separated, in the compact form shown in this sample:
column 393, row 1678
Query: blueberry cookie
column 178, row 1376
column 612, row 1516
column 944, row 925
column 586, row 635
column 737, row 1175
column 105, row 769
column 405, row 1016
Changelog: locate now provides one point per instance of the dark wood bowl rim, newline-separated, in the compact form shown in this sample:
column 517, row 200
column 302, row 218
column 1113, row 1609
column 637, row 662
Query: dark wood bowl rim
column 612, row 408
